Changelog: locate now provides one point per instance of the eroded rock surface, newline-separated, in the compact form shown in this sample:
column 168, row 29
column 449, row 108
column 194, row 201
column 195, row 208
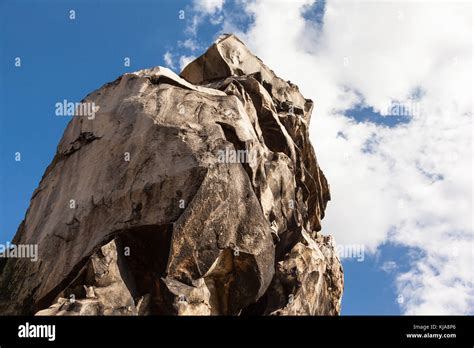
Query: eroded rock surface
column 191, row 195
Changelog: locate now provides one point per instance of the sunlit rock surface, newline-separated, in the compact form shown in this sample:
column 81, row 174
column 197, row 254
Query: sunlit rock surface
column 191, row 195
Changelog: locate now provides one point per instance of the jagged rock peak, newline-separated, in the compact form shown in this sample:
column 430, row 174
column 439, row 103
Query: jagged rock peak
column 198, row 194
column 229, row 56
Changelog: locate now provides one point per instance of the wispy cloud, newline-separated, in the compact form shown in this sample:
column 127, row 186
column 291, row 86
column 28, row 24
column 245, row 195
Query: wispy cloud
column 208, row 6
column 204, row 10
column 168, row 58
column 389, row 266
column 189, row 44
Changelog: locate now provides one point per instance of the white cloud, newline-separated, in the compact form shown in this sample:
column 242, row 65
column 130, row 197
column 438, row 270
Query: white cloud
column 208, row 6
column 215, row 20
column 203, row 9
column 189, row 44
column 192, row 26
column 168, row 58
column 185, row 60
column 374, row 53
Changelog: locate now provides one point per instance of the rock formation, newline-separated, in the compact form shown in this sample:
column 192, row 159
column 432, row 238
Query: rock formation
column 192, row 194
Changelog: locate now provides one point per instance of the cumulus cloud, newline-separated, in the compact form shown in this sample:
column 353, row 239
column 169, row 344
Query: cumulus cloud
column 414, row 187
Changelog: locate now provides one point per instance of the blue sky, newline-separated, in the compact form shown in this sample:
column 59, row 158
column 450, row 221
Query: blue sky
column 67, row 59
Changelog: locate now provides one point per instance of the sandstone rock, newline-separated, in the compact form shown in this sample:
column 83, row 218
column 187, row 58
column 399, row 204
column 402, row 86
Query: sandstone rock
column 191, row 195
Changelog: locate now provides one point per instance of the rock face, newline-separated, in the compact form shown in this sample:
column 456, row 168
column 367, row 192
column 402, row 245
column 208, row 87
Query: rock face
column 198, row 194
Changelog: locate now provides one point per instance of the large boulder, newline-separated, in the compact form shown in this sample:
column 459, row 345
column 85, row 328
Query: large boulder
column 192, row 194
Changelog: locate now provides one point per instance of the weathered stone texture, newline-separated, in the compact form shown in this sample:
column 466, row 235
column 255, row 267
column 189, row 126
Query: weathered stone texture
column 198, row 194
